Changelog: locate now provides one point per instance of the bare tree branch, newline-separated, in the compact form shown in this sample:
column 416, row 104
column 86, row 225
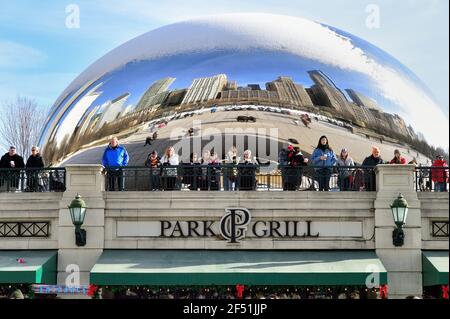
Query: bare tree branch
column 21, row 122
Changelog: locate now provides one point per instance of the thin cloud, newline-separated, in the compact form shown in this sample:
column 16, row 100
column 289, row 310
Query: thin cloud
column 18, row 56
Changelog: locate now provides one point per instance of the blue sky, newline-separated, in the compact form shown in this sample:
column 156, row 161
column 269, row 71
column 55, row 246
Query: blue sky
column 40, row 56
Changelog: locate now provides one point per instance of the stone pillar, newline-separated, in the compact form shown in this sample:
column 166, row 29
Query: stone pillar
column 403, row 264
column 88, row 181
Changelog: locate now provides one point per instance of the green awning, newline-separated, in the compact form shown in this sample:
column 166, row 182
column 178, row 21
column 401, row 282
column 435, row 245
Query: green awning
column 435, row 267
column 38, row 267
column 196, row 267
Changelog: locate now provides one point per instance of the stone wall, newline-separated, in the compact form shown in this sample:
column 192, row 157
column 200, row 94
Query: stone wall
column 354, row 220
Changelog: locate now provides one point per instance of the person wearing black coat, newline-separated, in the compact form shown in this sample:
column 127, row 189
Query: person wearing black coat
column 192, row 172
column 13, row 161
column 295, row 171
column 34, row 162
column 247, row 173
column 369, row 175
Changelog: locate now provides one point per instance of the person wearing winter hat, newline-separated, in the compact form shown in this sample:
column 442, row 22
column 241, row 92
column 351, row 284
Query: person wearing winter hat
column 398, row 159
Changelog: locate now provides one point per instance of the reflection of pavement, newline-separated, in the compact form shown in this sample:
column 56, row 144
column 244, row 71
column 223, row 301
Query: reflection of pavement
column 339, row 137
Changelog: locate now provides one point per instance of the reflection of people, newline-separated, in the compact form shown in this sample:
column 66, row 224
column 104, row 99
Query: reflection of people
column 306, row 120
column 114, row 158
column 148, row 141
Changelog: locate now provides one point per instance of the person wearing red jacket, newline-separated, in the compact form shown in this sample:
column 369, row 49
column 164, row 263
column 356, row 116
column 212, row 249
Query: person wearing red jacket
column 439, row 174
column 398, row 159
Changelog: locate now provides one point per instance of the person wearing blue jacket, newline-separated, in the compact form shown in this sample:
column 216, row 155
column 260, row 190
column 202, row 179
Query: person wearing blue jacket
column 115, row 157
column 323, row 158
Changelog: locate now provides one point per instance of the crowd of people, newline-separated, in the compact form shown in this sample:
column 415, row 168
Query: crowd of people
column 26, row 291
column 209, row 172
column 240, row 292
column 234, row 172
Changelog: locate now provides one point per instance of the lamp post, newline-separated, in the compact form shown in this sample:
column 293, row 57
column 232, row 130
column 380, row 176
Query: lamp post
column 78, row 212
column 400, row 213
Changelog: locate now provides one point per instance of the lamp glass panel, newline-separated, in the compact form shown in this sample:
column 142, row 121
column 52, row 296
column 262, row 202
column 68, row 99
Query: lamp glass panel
column 76, row 211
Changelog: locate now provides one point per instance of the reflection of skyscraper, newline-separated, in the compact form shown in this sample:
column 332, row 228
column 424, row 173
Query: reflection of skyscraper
column 290, row 92
column 397, row 124
column 326, row 93
column 112, row 109
column 59, row 111
column 249, row 96
column 74, row 113
column 87, row 119
column 362, row 100
column 360, row 115
column 156, row 94
column 205, row 89
column 412, row 133
column 175, row 98
column 254, row 87
column 231, row 85
column 381, row 119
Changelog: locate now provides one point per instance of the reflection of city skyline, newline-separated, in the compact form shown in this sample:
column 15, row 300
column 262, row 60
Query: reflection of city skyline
column 98, row 121
column 324, row 95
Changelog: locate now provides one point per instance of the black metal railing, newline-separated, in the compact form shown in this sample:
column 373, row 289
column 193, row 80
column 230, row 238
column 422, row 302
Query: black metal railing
column 432, row 179
column 32, row 180
column 25, row 229
column 240, row 177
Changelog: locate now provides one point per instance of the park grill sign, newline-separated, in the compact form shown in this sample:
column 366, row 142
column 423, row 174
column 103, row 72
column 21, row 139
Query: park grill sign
column 236, row 225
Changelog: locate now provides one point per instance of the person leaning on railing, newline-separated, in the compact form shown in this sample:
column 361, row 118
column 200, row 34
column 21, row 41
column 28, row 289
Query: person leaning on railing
column 439, row 174
column 323, row 159
column 247, row 173
column 34, row 165
column 214, row 172
column 12, row 161
column 114, row 158
column 345, row 177
column 192, row 172
column 154, row 163
column 230, row 171
column 204, row 177
column 293, row 173
column 398, row 158
column 170, row 162
column 369, row 173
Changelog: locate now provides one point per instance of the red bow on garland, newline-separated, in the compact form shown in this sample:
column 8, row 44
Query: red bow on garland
column 383, row 292
column 92, row 290
column 445, row 291
column 240, row 291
